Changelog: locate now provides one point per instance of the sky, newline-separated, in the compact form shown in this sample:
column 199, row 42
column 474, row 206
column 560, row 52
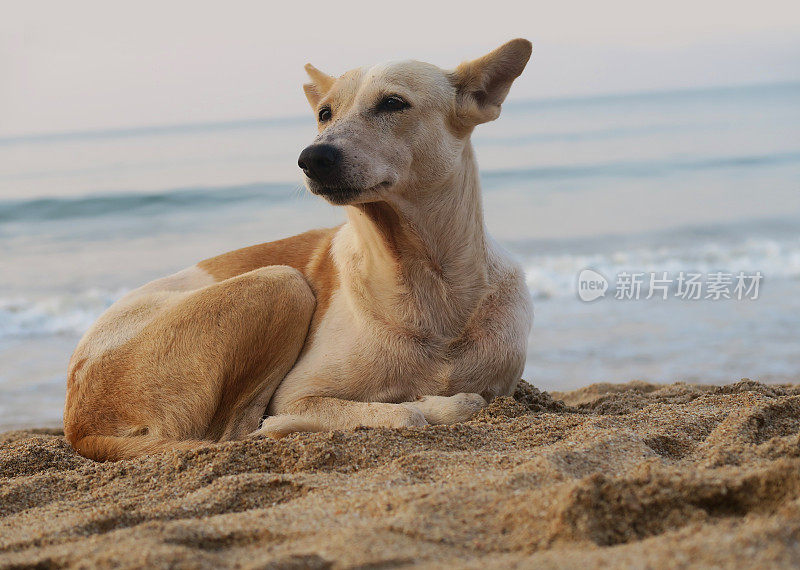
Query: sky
column 93, row 65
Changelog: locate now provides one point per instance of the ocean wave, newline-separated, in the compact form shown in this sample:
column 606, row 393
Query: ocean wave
column 63, row 314
column 555, row 275
column 641, row 168
column 550, row 275
column 130, row 203
column 43, row 209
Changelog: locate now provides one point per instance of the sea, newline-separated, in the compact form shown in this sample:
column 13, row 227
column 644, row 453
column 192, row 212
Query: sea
column 613, row 205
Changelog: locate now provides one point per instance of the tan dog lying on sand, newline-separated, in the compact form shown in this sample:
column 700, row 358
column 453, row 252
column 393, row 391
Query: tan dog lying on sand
column 406, row 315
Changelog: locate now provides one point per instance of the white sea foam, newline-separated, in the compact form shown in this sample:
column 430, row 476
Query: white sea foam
column 548, row 275
column 62, row 314
column 552, row 275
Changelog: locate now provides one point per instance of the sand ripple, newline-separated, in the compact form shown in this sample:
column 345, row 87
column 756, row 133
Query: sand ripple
column 629, row 475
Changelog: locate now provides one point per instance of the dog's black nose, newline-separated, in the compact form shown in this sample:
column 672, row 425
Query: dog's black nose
column 318, row 161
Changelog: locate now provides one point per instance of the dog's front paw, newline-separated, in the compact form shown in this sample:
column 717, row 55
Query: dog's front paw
column 470, row 402
column 450, row 409
column 409, row 415
column 280, row 426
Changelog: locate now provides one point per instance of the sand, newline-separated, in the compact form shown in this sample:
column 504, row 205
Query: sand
column 631, row 475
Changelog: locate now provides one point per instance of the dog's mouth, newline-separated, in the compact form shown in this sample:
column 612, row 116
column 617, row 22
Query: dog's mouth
column 341, row 195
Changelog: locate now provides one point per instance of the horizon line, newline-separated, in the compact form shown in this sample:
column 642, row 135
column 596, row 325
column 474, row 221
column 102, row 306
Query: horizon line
column 230, row 124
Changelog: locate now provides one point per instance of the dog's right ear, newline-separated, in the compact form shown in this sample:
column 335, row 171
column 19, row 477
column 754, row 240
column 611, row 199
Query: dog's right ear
column 319, row 86
column 482, row 84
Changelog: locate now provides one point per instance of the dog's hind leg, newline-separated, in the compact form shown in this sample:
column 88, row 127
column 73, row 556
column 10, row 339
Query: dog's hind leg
column 266, row 319
column 203, row 369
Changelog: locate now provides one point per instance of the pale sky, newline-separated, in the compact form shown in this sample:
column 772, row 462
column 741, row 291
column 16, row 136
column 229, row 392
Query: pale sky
column 84, row 65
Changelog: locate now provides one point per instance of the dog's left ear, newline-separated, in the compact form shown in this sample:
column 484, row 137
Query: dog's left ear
column 319, row 86
column 482, row 84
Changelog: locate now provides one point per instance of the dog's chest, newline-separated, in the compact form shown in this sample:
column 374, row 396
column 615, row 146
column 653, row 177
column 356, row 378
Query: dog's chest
column 368, row 358
column 355, row 357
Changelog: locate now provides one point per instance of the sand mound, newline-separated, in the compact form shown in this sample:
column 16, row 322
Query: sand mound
column 632, row 475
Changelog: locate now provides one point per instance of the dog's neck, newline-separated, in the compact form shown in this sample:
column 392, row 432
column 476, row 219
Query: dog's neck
column 420, row 263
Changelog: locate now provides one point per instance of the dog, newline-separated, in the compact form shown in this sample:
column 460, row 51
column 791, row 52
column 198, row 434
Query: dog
column 406, row 315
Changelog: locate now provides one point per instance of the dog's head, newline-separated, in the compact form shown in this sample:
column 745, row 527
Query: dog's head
column 398, row 128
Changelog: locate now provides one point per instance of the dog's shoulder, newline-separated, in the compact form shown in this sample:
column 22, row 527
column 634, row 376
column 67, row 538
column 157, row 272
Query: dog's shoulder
column 508, row 292
column 504, row 270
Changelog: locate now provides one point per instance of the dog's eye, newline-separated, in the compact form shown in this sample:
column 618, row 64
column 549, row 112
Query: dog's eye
column 392, row 103
column 325, row 114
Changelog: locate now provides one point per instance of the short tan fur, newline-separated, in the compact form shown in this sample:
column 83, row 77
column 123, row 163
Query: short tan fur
column 406, row 315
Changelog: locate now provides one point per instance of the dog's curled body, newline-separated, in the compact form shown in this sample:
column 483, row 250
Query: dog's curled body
column 407, row 314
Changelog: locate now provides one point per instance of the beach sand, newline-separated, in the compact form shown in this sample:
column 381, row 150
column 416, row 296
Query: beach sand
column 630, row 475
